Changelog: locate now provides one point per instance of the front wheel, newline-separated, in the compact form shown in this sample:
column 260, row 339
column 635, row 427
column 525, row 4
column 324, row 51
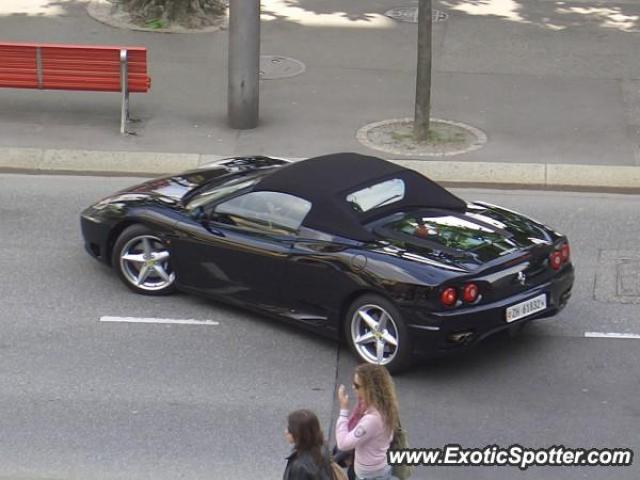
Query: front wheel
column 142, row 261
column 377, row 334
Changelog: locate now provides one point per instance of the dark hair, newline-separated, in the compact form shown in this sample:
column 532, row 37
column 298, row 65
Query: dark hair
column 307, row 435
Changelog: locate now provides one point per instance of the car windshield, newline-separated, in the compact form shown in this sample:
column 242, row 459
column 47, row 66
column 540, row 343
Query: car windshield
column 218, row 191
column 377, row 195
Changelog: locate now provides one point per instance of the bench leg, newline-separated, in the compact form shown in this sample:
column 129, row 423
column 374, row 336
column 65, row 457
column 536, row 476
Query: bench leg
column 124, row 87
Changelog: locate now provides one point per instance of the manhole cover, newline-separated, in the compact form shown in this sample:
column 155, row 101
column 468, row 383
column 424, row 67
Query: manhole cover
column 618, row 277
column 410, row 14
column 438, row 16
column 273, row 67
column 629, row 278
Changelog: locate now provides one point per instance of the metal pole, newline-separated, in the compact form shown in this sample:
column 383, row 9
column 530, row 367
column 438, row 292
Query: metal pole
column 423, row 75
column 39, row 74
column 244, row 63
column 124, row 87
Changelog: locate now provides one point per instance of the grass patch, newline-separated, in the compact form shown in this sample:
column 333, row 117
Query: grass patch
column 155, row 24
column 440, row 135
column 401, row 137
column 436, row 137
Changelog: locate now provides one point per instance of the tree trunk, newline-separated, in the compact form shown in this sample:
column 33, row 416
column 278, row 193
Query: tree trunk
column 186, row 13
column 423, row 74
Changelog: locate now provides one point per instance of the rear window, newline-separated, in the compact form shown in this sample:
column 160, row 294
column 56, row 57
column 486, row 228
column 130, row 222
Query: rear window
column 376, row 196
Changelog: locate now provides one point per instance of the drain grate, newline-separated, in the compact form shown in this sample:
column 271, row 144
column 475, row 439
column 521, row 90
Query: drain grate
column 409, row 14
column 273, row 67
column 629, row 279
column 618, row 277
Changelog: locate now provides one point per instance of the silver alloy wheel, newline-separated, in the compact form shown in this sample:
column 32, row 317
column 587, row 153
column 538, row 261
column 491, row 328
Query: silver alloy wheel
column 144, row 261
column 374, row 334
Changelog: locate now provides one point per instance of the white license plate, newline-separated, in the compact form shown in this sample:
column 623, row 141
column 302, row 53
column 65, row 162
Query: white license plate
column 527, row 308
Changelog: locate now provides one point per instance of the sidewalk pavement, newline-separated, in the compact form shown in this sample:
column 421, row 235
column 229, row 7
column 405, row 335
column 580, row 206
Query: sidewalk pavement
column 554, row 85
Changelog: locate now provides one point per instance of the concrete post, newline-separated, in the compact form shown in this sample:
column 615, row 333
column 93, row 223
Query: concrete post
column 244, row 63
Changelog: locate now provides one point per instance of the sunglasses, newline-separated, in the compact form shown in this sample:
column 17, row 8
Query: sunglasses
column 356, row 386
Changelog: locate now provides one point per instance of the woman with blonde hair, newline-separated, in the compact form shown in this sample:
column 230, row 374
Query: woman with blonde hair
column 372, row 435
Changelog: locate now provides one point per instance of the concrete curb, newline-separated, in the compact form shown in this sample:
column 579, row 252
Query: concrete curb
column 517, row 175
column 34, row 160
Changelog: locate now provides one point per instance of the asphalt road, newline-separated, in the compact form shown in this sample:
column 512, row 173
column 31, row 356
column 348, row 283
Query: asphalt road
column 84, row 399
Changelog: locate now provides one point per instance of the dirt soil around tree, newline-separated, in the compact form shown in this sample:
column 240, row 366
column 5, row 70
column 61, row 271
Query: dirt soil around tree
column 445, row 138
column 163, row 16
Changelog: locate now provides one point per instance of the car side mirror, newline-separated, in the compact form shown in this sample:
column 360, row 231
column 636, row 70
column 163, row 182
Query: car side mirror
column 208, row 222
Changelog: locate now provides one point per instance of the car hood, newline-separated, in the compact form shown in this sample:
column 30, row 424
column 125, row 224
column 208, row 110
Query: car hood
column 164, row 191
column 177, row 186
column 482, row 236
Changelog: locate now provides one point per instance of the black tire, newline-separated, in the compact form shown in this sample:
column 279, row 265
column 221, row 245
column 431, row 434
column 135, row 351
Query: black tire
column 140, row 241
column 395, row 358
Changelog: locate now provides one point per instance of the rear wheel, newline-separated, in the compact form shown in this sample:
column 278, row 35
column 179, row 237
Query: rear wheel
column 143, row 261
column 377, row 334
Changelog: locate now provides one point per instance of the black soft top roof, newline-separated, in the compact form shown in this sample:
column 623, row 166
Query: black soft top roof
column 325, row 181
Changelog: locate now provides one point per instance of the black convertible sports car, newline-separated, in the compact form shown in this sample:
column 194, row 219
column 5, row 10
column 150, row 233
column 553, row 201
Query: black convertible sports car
column 347, row 245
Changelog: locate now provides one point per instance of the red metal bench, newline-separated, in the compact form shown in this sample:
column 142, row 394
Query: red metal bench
column 76, row 67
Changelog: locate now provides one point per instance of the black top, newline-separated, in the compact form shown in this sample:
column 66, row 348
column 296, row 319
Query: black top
column 326, row 181
column 302, row 466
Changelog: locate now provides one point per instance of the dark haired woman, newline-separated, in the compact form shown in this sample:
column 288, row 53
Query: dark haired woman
column 372, row 435
column 310, row 458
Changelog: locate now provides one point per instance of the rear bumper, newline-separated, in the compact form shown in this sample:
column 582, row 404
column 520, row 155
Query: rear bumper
column 435, row 333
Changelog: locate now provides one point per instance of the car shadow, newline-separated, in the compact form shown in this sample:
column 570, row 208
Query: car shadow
column 259, row 319
column 494, row 353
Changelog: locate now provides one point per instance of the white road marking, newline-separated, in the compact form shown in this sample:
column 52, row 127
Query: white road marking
column 158, row 320
column 611, row 335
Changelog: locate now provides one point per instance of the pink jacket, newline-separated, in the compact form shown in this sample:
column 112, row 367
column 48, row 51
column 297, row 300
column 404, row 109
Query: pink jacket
column 369, row 439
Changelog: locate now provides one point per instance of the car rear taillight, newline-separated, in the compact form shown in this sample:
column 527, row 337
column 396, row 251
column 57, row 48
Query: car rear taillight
column 560, row 256
column 448, row 297
column 470, row 292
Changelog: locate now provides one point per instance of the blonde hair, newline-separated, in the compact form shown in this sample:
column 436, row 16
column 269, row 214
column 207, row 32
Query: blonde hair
column 379, row 392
